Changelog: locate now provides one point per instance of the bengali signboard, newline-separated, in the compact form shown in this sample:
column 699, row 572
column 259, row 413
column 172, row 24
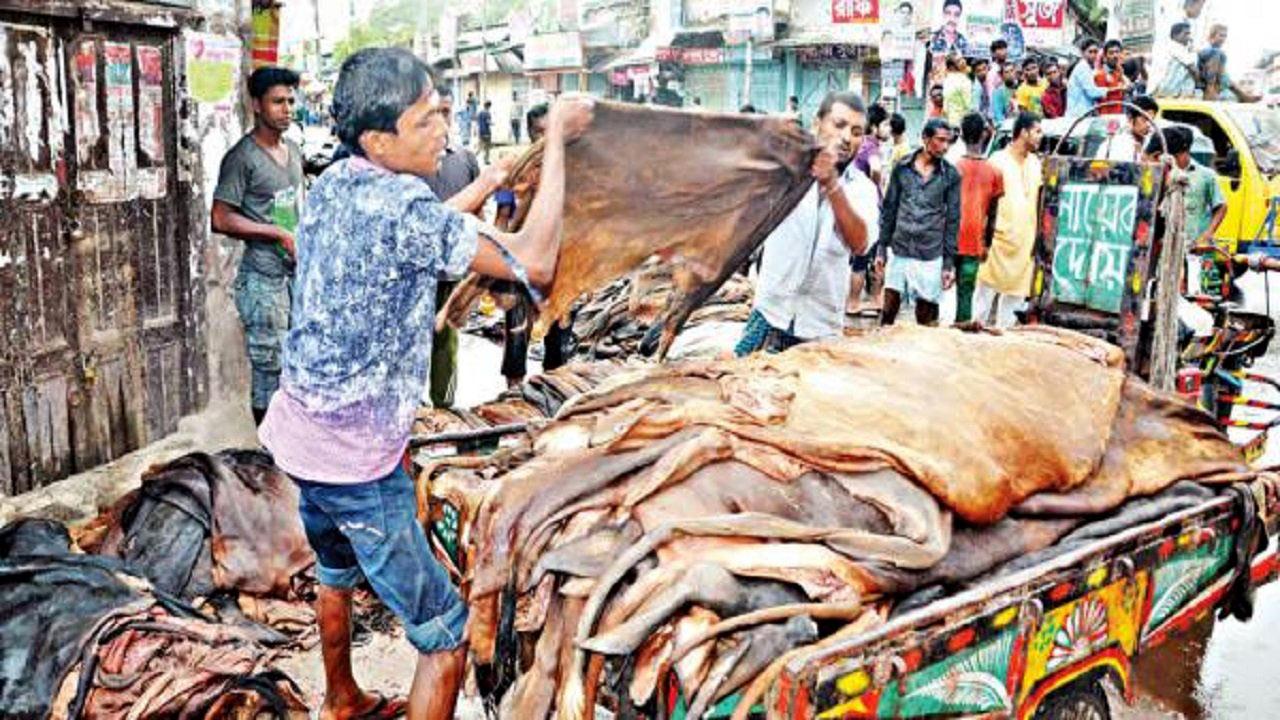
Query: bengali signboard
column 553, row 51
column 691, row 56
column 1136, row 24
column 1043, row 22
column 1095, row 238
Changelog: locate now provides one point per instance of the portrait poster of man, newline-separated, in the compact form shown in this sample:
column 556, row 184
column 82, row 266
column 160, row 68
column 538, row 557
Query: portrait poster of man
column 898, row 30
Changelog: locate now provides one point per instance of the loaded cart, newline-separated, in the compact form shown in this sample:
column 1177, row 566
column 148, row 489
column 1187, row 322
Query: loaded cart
column 1037, row 643
column 1035, row 639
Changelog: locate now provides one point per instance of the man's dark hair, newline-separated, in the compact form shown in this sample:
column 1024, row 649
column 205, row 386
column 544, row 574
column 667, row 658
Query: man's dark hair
column 488, row 104
column 1088, row 43
column 1030, row 62
column 1024, row 122
column 897, row 124
column 933, row 127
column 1179, row 28
column 536, row 113
column 1177, row 140
column 951, row 3
column 999, row 44
column 954, row 62
column 748, row 109
column 1112, row 44
column 444, row 91
column 876, row 114
column 794, row 99
column 265, row 78
column 851, row 100
column 972, row 127
column 375, row 86
column 1146, row 103
column 907, row 5
column 1153, row 145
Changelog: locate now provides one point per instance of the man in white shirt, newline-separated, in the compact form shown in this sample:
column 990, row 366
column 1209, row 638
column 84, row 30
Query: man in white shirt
column 804, row 270
column 1129, row 143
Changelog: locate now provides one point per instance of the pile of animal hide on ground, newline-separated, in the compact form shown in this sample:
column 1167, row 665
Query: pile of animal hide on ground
column 538, row 398
column 721, row 517
column 83, row 637
column 221, row 531
column 700, row 191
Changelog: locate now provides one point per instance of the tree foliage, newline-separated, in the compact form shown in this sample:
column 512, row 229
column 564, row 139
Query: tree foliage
column 392, row 22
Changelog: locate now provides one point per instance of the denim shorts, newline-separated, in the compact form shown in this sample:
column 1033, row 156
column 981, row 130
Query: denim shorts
column 370, row 530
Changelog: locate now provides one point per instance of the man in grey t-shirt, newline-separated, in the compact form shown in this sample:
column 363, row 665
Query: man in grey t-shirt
column 258, row 200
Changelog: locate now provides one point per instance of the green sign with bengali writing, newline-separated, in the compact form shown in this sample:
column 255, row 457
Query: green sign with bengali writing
column 1095, row 235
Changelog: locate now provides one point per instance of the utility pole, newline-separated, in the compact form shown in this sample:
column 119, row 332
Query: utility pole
column 484, row 53
column 746, row 81
column 315, row 12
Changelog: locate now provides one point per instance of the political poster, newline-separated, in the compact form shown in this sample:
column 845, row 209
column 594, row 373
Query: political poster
column 898, row 31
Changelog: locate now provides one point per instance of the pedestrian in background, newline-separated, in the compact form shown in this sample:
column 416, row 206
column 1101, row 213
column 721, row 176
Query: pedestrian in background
column 919, row 223
column 1030, row 94
column 484, row 128
column 1002, row 100
column 258, row 200
column 981, row 102
column 957, row 90
column 1004, row 281
column 1054, row 100
column 1110, row 78
column 981, row 186
column 1128, row 143
column 1083, row 92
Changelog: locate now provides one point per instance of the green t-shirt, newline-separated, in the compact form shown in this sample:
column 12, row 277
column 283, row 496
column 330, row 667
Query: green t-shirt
column 264, row 191
column 1204, row 195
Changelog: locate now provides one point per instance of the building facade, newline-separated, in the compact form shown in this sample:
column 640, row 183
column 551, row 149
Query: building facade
column 108, row 275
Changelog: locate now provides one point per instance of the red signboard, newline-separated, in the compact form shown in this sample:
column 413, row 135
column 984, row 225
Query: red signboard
column 1041, row 14
column 855, row 12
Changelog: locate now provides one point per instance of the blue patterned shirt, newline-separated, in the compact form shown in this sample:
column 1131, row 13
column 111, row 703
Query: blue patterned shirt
column 371, row 248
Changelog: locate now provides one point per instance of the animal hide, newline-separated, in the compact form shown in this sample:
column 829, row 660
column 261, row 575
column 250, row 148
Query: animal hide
column 698, row 190
column 848, row 473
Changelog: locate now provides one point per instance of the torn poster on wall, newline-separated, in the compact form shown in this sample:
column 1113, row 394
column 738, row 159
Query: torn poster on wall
column 6, row 91
column 121, row 149
column 29, row 74
column 85, row 76
column 151, row 103
column 213, row 69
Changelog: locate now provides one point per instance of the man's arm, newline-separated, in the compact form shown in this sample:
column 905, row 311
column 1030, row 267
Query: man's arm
column 1219, row 214
column 951, row 230
column 471, row 199
column 227, row 220
column 850, row 226
column 537, row 245
column 889, row 210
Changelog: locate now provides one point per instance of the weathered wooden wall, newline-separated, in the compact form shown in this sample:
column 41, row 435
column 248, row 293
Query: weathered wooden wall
column 100, row 317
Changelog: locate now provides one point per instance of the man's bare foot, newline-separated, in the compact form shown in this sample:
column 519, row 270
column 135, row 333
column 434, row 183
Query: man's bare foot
column 369, row 706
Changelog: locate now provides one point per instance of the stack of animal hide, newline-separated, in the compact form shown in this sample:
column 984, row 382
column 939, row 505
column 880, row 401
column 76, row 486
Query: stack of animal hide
column 719, row 518
column 615, row 321
column 81, row 637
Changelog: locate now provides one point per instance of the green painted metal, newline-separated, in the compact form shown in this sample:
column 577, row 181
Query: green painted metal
column 972, row 681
